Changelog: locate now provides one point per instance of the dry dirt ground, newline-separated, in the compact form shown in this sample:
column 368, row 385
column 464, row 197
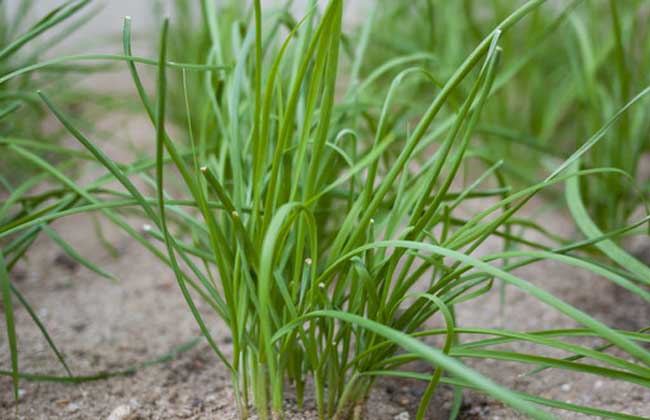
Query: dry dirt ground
column 102, row 326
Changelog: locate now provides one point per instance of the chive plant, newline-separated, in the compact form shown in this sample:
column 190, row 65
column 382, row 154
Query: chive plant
column 325, row 230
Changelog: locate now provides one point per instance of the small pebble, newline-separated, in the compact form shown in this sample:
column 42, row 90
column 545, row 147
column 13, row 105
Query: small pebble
column 476, row 410
column 404, row 415
column 598, row 384
column 72, row 407
column 565, row 388
column 122, row 412
column 184, row 413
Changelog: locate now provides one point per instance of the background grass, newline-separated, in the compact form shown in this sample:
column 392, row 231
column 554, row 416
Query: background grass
column 576, row 63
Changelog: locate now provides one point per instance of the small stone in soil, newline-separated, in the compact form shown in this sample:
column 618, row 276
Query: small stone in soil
column 72, row 407
column 18, row 275
column 404, row 415
column 122, row 412
column 79, row 327
column 184, row 413
column 417, row 392
column 64, row 261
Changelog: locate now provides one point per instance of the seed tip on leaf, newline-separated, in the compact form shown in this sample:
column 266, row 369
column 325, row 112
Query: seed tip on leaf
column 308, row 261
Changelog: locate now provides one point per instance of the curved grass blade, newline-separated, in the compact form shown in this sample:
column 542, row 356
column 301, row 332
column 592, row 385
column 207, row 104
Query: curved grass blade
column 78, row 379
column 108, row 57
column 590, row 230
column 449, row 340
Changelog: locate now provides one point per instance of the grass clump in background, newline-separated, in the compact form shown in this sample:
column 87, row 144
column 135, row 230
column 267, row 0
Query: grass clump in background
column 23, row 44
column 319, row 216
column 573, row 67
